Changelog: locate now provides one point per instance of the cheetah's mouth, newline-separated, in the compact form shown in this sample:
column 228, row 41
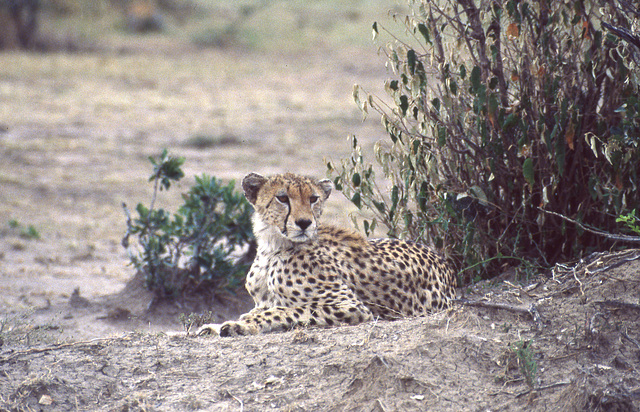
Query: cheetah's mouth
column 299, row 236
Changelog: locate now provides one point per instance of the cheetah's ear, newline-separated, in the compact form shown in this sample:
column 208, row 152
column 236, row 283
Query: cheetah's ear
column 251, row 185
column 327, row 186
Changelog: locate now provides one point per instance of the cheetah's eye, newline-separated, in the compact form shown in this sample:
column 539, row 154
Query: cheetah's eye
column 283, row 199
column 313, row 199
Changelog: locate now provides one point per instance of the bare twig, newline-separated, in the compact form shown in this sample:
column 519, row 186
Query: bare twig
column 623, row 238
column 504, row 384
column 630, row 339
column 619, row 304
column 553, row 385
column 52, row 348
column 155, row 191
column 531, row 310
column 628, row 8
column 380, row 406
column 490, row 305
column 238, row 400
column 521, row 289
column 631, row 38
column 561, row 357
column 367, row 338
column 540, row 388
column 477, row 34
column 125, row 239
column 596, row 263
column 575, row 276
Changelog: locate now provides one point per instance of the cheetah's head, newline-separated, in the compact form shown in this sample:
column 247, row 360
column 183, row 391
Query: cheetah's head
column 287, row 206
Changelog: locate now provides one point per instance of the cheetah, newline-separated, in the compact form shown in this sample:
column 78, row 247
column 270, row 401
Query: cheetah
column 309, row 274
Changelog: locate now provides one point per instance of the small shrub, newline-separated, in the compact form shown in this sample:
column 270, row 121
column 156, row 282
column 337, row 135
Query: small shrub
column 501, row 112
column 30, row 232
column 525, row 359
column 193, row 321
column 199, row 246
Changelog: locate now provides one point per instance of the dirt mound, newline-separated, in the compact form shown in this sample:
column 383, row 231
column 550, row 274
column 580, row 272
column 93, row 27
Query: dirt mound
column 568, row 341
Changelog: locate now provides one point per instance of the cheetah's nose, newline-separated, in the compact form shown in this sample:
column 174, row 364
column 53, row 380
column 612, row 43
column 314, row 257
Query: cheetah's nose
column 303, row 223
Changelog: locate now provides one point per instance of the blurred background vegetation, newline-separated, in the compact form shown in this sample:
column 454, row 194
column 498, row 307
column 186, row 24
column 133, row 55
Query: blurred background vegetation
column 267, row 25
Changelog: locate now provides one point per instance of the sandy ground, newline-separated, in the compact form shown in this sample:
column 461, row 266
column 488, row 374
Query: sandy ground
column 568, row 342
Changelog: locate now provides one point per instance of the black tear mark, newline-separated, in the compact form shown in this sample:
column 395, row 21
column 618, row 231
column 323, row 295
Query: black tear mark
column 286, row 218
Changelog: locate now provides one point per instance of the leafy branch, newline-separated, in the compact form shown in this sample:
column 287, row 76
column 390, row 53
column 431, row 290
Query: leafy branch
column 207, row 243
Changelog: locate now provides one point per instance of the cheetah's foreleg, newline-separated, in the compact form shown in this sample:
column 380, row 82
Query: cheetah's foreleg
column 281, row 318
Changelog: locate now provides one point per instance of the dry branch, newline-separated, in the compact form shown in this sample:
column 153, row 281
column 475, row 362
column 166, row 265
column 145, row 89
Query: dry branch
column 618, row 304
column 630, row 339
column 540, row 388
column 598, row 262
column 623, row 238
column 531, row 310
column 30, row 351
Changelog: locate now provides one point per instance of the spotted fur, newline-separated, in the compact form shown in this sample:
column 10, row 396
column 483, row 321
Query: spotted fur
column 310, row 274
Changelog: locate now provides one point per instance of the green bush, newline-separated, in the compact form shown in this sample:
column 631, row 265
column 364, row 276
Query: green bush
column 30, row 232
column 200, row 245
column 501, row 112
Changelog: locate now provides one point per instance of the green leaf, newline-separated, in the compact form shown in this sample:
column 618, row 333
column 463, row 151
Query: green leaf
column 411, row 61
column 372, row 227
column 142, row 210
column 479, row 194
column 527, row 171
column 510, row 121
column 394, row 197
column 337, row 183
column 442, row 136
column 423, row 196
column 425, row 32
column 475, row 79
column 453, row 86
column 404, row 104
column 493, row 104
column 379, row 205
column 355, row 179
column 356, row 200
column 436, row 104
column 415, row 146
column 560, row 155
column 494, row 52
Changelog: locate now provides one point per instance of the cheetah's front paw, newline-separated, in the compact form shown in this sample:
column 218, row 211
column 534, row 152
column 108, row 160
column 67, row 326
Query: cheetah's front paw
column 209, row 329
column 239, row 328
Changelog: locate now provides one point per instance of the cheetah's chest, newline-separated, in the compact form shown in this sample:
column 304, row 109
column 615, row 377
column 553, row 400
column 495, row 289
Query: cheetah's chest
column 261, row 279
column 285, row 278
